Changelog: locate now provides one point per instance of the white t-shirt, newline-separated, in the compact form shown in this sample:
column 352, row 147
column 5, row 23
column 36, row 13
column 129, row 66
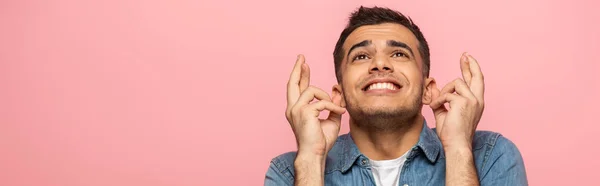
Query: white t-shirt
column 387, row 172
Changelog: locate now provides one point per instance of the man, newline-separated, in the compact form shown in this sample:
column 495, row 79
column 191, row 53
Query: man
column 382, row 69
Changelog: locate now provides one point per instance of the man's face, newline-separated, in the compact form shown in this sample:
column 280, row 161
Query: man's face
column 382, row 72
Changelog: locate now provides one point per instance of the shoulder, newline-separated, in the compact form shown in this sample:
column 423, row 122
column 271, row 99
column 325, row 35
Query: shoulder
column 493, row 142
column 490, row 145
column 284, row 163
column 484, row 139
column 498, row 147
column 498, row 159
column 280, row 172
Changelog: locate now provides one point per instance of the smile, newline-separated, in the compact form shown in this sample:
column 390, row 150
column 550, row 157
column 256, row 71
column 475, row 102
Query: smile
column 382, row 86
column 374, row 86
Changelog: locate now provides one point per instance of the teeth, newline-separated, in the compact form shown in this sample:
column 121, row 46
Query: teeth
column 389, row 86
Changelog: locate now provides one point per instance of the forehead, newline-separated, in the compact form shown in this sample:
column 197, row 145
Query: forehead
column 381, row 32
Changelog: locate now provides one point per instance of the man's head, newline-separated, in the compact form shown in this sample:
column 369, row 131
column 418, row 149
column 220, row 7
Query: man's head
column 382, row 67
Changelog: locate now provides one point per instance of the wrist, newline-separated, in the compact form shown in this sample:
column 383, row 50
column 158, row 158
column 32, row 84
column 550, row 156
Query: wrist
column 460, row 148
column 309, row 159
column 457, row 144
column 312, row 150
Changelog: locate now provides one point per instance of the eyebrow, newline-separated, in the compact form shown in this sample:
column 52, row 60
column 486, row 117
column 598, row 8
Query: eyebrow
column 392, row 43
column 358, row 45
column 401, row 45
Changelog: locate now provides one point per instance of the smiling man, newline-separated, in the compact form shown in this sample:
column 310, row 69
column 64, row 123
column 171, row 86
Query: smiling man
column 382, row 67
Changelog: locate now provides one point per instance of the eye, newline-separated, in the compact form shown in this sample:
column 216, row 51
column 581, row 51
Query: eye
column 399, row 54
column 360, row 57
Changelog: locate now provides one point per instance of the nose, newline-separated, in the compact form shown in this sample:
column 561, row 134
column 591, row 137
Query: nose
column 381, row 64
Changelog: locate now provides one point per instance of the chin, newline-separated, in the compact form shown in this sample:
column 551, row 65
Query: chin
column 379, row 110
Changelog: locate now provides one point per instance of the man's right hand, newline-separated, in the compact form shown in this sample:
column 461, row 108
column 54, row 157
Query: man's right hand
column 314, row 136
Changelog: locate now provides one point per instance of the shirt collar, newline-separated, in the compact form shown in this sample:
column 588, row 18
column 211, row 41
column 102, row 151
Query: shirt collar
column 429, row 144
column 349, row 153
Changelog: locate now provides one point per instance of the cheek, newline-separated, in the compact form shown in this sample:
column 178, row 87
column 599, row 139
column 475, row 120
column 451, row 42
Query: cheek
column 411, row 71
column 348, row 89
column 351, row 77
column 414, row 76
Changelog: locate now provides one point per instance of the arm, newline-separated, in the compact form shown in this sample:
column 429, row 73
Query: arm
column 456, row 124
column 309, row 170
column 460, row 166
column 314, row 136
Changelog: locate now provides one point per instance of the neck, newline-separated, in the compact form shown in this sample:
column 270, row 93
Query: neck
column 388, row 144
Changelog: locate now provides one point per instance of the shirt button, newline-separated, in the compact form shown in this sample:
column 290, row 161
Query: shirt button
column 363, row 162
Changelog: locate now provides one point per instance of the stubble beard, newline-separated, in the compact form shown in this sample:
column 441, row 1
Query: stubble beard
column 385, row 119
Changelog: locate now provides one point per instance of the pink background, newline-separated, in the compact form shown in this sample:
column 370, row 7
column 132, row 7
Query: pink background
column 193, row 93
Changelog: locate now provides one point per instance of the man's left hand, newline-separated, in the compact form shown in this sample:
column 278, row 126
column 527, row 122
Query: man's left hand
column 456, row 124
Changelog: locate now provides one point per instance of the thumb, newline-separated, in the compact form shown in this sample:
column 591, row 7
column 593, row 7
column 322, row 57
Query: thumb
column 333, row 116
column 439, row 115
column 436, row 105
column 438, row 108
column 439, row 111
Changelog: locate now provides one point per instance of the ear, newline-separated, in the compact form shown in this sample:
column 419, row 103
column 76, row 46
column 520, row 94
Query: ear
column 428, row 88
column 337, row 96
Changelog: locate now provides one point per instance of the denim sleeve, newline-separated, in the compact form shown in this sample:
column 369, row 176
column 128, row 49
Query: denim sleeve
column 278, row 175
column 504, row 166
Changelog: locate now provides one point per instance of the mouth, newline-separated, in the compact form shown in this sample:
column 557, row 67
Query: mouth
column 382, row 85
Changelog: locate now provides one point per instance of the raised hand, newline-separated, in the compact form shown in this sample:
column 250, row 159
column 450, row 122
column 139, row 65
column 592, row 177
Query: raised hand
column 314, row 136
column 456, row 125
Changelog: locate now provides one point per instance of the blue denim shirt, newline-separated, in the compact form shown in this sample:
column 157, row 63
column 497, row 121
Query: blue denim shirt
column 497, row 160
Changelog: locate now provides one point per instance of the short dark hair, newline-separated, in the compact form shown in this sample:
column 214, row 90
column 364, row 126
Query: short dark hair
column 374, row 16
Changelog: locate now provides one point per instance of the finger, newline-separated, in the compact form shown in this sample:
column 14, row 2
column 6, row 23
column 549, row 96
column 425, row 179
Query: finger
column 460, row 87
column 304, row 77
column 326, row 105
column 336, row 116
column 465, row 69
column 311, row 93
column 293, row 90
column 446, row 98
column 439, row 109
column 435, row 104
column 436, row 107
column 477, row 85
